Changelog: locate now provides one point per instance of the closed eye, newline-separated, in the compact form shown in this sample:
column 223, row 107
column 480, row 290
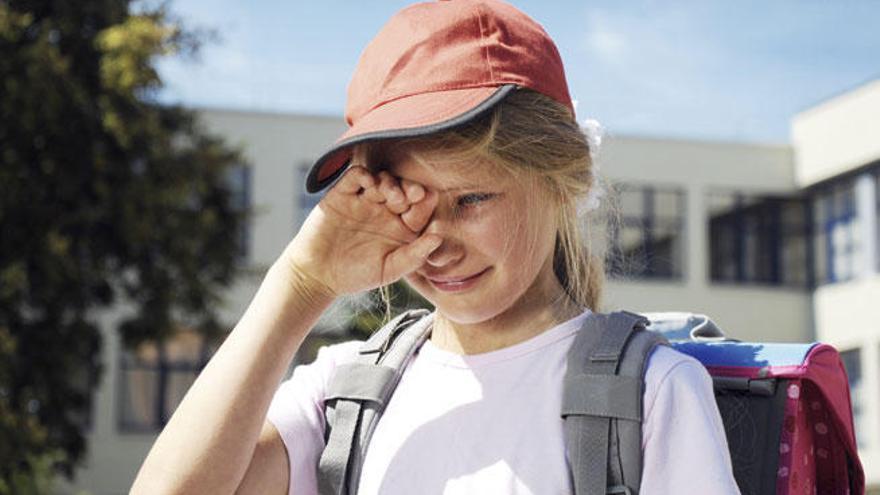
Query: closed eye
column 473, row 199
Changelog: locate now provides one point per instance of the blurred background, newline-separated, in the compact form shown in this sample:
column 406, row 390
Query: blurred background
column 152, row 165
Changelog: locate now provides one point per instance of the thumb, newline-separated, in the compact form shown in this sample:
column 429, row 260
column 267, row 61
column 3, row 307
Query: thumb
column 410, row 256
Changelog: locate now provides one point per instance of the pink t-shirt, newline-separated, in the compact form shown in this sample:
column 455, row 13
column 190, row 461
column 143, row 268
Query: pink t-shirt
column 490, row 423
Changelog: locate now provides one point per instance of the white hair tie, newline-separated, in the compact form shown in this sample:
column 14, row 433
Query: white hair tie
column 594, row 132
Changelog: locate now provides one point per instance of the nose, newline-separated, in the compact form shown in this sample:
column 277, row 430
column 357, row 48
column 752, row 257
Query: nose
column 451, row 249
column 447, row 254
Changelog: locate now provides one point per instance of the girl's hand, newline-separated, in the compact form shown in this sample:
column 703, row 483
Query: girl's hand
column 366, row 232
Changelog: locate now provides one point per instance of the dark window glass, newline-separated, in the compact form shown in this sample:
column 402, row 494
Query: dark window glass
column 648, row 241
column 852, row 361
column 758, row 239
column 836, row 233
column 239, row 180
column 154, row 378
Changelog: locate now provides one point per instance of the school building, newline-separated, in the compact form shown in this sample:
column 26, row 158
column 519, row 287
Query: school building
column 776, row 242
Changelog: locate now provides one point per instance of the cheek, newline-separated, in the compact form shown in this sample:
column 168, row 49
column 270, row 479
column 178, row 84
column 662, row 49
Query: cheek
column 515, row 239
column 491, row 238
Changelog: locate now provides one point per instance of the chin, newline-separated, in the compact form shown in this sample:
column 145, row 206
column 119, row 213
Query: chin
column 464, row 316
column 471, row 310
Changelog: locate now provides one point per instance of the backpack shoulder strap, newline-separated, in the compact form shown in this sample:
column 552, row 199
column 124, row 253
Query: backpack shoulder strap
column 602, row 403
column 357, row 395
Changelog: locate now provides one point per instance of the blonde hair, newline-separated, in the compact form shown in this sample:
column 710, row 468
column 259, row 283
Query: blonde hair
column 531, row 134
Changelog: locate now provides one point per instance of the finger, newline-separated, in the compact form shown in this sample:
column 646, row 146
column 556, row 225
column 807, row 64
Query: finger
column 416, row 218
column 373, row 194
column 355, row 179
column 395, row 199
column 409, row 257
column 413, row 190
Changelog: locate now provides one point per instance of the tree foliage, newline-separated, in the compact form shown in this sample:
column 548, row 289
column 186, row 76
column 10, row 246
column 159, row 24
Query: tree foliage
column 106, row 197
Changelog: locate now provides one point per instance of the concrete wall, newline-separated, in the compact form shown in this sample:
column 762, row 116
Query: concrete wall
column 838, row 135
column 747, row 312
column 275, row 144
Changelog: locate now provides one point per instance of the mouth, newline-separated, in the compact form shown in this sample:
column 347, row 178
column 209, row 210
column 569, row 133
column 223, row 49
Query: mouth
column 457, row 284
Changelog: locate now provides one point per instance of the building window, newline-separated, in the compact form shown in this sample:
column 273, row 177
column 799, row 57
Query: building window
column 757, row 239
column 238, row 179
column 836, row 240
column 154, row 378
column 647, row 242
column 305, row 200
column 852, row 361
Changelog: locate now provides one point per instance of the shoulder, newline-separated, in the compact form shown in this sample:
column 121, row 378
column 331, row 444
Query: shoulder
column 672, row 372
column 310, row 381
column 336, row 354
column 328, row 359
column 682, row 422
column 665, row 362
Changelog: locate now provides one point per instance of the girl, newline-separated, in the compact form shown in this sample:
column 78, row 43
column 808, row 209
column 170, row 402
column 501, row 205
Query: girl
column 462, row 173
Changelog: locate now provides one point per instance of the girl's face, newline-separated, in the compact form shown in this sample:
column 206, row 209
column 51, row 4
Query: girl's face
column 498, row 238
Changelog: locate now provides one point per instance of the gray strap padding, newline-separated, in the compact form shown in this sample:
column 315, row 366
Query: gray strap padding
column 602, row 395
column 396, row 354
column 634, row 363
column 333, row 463
column 358, row 393
column 602, row 403
column 381, row 338
column 360, row 382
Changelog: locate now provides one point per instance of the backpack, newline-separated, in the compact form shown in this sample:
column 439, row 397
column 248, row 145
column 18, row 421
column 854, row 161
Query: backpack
column 786, row 409
column 783, row 405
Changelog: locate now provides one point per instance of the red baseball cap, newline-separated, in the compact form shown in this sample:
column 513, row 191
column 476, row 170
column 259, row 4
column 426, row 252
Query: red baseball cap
column 436, row 65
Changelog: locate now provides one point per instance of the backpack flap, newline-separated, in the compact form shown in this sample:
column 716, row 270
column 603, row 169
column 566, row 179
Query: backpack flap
column 682, row 326
column 825, row 399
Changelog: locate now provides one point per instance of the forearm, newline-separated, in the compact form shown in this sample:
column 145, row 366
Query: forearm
column 208, row 443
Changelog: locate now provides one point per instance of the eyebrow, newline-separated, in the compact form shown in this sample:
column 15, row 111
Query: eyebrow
column 459, row 188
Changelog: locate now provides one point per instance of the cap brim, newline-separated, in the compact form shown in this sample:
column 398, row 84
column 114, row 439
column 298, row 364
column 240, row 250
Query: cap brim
column 411, row 116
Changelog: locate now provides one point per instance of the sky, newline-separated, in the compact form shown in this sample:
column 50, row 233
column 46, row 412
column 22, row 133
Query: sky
column 698, row 69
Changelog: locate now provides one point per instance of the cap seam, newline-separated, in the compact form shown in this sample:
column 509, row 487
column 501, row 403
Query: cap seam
column 484, row 42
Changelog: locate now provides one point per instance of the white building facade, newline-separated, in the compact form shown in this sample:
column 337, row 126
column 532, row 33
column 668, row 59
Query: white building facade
column 775, row 242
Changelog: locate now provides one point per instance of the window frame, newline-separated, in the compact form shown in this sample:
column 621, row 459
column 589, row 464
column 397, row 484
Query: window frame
column 239, row 180
column 129, row 361
column 618, row 265
column 775, row 234
column 827, row 216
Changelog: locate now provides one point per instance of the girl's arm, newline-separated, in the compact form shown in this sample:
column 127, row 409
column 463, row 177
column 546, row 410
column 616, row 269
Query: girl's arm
column 365, row 232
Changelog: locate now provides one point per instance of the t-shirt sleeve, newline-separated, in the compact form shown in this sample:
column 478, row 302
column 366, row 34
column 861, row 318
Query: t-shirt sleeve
column 683, row 440
column 297, row 412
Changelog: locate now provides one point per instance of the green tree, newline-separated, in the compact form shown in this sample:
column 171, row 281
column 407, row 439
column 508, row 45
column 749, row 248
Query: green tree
column 106, row 196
